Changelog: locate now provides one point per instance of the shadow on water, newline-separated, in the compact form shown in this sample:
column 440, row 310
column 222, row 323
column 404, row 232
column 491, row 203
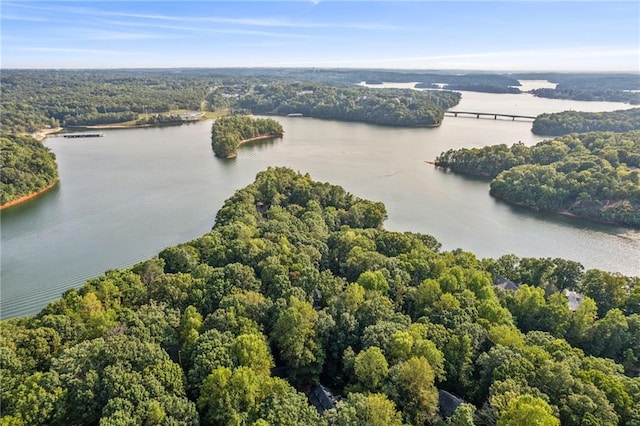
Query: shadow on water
column 248, row 149
column 565, row 220
column 30, row 207
column 545, row 216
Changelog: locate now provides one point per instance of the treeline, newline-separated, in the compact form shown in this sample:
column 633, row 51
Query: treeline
column 392, row 107
column 592, row 175
column 96, row 118
column 227, row 133
column 562, row 123
column 27, row 167
column 296, row 284
column 486, row 88
column 155, row 119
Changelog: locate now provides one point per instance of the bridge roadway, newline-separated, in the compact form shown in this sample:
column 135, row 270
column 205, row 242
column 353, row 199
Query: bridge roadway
column 489, row 114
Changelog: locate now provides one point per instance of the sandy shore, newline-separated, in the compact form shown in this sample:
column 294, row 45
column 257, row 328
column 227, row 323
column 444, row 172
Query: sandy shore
column 42, row 134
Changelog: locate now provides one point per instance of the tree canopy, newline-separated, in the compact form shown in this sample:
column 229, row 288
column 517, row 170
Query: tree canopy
column 562, row 123
column 297, row 284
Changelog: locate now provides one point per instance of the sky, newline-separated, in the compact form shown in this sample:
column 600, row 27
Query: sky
column 431, row 35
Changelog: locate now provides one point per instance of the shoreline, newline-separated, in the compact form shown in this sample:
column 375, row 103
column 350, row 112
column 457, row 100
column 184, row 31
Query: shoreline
column 28, row 197
column 255, row 138
column 564, row 213
column 41, row 135
column 260, row 137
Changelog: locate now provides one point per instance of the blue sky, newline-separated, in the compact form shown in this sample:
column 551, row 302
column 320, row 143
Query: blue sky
column 479, row 35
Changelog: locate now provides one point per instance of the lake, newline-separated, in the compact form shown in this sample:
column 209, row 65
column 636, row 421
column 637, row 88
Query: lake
column 124, row 197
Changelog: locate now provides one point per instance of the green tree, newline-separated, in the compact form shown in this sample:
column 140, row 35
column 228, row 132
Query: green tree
column 371, row 369
column 359, row 409
column 252, row 350
column 295, row 337
column 412, row 388
column 528, row 410
column 463, row 416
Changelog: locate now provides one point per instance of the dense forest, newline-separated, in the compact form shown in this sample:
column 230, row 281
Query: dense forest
column 227, row 133
column 562, row 123
column 37, row 99
column 27, row 167
column 592, row 175
column 394, row 107
column 298, row 284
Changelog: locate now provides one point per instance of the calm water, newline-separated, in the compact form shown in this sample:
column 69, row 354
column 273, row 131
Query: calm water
column 125, row 197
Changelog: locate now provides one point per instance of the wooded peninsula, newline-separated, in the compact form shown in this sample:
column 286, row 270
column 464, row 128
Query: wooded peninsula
column 299, row 285
column 28, row 167
column 562, row 123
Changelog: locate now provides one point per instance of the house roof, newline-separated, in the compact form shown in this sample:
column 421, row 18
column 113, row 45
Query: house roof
column 448, row 403
column 505, row 284
column 322, row 398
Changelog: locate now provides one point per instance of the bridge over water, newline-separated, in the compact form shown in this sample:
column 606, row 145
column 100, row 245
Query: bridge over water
column 495, row 115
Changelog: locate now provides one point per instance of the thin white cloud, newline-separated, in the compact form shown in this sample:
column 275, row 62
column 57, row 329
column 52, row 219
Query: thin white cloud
column 215, row 30
column 258, row 22
column 9, row 17
column 74, row 50
column 94, row 34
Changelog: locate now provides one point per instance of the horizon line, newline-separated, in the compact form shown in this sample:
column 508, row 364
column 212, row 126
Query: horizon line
column 346, row 68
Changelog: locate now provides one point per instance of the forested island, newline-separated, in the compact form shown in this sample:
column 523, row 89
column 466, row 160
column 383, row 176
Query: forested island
column 28, row 168
column 228, row 133
column 562, row 123
column 391, row 107
column 593, row 175
column 298, row 284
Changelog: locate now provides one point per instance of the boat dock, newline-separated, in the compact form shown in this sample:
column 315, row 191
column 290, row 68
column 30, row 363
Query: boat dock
column 83, row 135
